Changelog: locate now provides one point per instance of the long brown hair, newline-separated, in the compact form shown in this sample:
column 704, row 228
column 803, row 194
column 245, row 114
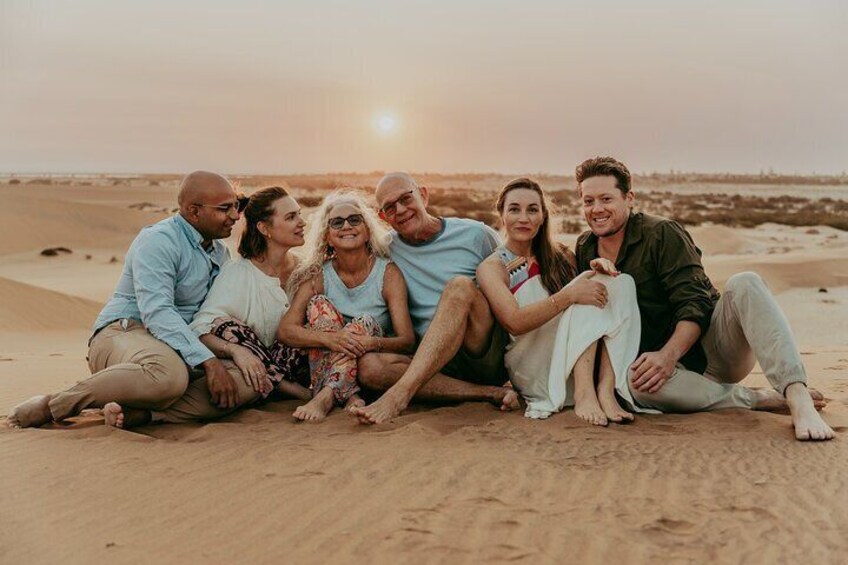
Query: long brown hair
column 260, row 208
column 555, row 260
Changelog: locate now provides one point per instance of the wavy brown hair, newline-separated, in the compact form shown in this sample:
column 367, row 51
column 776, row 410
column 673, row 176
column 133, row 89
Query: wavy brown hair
column 604, row 167
column 556, row 261
column 260, row 208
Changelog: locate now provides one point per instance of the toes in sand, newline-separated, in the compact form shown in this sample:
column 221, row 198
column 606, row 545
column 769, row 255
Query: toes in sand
column 384, row 409
column 317, row 408
column 613, row 410
column 509, row 400
column 31, row 413
column 113, row 414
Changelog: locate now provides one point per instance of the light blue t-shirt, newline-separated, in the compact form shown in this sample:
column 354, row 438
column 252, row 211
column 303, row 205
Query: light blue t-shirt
column 166, row 276
column 456, row 251
column 367, row 298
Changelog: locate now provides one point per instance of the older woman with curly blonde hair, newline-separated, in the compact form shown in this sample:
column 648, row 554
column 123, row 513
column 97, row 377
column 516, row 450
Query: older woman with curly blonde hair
column 348, row 299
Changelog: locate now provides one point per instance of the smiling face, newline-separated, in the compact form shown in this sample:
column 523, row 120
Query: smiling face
column 285, row 226
column 522, row 214
column 605, row 207
column 347, row 237
column 403, row 205
column 215, row 211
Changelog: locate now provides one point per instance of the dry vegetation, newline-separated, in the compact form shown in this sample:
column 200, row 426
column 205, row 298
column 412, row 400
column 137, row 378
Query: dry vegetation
column 690, row 198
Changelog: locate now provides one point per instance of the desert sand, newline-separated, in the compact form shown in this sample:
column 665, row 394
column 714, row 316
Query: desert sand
column 449, row 484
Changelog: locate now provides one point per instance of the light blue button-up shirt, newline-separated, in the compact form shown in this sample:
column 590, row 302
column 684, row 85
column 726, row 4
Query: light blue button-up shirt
column 165, row 279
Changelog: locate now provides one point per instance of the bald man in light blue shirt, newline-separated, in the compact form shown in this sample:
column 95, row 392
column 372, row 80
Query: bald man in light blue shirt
column 142, row 348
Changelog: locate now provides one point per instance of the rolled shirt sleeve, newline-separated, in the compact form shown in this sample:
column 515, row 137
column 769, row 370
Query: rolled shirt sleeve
column 679, row 268
column 154, row 266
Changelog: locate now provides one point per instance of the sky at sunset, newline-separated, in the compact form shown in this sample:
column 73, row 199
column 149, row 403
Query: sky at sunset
column 466, row 85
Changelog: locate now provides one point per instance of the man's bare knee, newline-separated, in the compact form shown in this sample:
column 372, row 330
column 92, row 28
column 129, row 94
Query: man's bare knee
column 460, row 289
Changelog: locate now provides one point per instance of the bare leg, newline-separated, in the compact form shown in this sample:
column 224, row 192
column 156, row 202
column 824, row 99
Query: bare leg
column 383, row 371
column 808, row 424
column 32, row 413
column 462, row 319
column 585, row 400
column 317, row 408
column 119, row 416
column 294, row 390
column 606, row 390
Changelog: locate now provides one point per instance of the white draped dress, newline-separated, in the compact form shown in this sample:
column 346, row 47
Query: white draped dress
column 540, row 362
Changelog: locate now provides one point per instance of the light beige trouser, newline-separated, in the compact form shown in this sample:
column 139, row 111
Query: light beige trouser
column 196, row 404
column 134, row 369
column 129, row 366
column 746, row 326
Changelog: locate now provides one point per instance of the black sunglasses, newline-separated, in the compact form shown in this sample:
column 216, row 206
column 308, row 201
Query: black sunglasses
column 338, row 223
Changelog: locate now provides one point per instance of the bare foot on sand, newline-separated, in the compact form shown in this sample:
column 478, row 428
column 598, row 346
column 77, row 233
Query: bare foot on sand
column 317, row 408
column 587, row 408
column 384, row 409
column 770, row 400
column 613, row 410
column 809, row 425
column 507, row 399
column 354, row 401
column 33, row 413
column 119, row 416
column 114, row 415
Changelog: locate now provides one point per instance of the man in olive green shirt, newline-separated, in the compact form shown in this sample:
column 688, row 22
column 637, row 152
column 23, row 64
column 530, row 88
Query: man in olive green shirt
column 696, row 346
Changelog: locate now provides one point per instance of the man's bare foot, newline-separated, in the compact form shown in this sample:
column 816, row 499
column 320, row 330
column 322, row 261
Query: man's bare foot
column 613, row 410
column 355, row 401
column 32, row 413
column 768, row 399
column 317, row 408
column 507, row 399
column 772, row 401
column 384, row 409
column 587, row 408
column 819, row 401
column 113, row 414
column 808, row 424
column 119, row 416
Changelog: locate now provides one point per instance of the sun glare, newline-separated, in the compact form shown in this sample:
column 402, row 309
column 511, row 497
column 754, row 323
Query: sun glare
column 386, row 123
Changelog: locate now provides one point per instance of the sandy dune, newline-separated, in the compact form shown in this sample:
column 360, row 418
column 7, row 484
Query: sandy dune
column 441, row 484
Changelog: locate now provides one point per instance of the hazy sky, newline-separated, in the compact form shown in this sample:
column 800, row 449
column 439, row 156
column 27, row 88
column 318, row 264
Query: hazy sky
column 462, row 85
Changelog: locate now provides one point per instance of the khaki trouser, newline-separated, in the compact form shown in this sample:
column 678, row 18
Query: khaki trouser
column 136, row 370
column 130, row 367
column 747, row 326
column 196, row 404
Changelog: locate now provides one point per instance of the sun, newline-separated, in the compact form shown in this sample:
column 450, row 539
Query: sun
column 386, row 123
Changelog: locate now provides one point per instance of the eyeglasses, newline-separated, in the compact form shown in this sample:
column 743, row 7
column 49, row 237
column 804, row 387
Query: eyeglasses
column 338, row 223
column 390, row 209
column 236, row 206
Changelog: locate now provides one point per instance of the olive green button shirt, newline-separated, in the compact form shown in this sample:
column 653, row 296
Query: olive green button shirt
column 671, row 285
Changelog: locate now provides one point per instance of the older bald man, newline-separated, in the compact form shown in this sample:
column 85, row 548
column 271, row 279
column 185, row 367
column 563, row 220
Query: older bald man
column 142, row 348
column 460, row 355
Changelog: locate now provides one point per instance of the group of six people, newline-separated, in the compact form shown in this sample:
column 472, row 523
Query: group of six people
column 433, row 309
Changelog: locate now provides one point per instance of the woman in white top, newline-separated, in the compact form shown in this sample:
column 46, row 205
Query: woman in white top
column 347, row 299
column 238, row 320
column 559, row 323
